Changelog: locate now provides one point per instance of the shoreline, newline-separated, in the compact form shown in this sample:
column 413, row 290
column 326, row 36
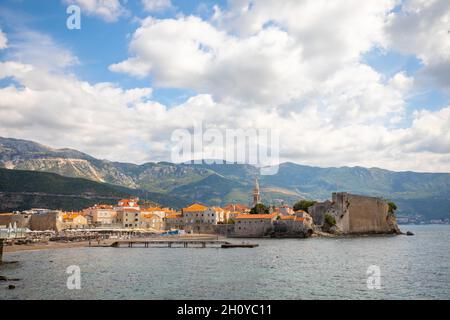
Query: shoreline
column 94, row 244
column 107, row 242
column 43, row 246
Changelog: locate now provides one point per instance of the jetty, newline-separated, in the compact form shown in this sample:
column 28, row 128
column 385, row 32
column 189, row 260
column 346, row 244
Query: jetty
column 178, row 244
column 239, row 245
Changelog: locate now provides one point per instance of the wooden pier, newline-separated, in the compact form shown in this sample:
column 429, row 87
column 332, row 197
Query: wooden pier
column 239, row 245
column 178, row 244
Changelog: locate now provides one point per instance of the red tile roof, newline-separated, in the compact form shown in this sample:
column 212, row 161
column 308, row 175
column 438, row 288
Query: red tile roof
column 294, row 218
column 126, row 203
column 195, row 207
column 236, row 207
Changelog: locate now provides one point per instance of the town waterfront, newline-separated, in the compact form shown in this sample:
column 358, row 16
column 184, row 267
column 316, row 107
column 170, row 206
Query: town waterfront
column 316, row 268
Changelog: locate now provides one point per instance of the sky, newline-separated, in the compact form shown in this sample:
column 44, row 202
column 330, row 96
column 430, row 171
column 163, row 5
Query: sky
column 345, row 83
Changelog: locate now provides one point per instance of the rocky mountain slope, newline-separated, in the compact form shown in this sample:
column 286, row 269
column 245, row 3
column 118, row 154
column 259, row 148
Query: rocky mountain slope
column 217, row 184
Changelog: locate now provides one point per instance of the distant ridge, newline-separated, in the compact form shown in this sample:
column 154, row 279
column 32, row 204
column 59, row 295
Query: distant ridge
column 427, row 194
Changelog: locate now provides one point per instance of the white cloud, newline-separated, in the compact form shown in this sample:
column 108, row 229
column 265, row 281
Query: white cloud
column 269, row 65
column 107, row 10
column 110, row 122
column 429, row 132
column 422, row 28
column 288, row 65
column 3, row 40
column 64, row 111
column 35, row 48
column 156, row 5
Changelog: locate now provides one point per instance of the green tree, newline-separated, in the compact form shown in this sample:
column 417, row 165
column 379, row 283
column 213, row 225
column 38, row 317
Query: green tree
column 304, row 205
column 260, row 209
column 330, row 220
column 392, row 207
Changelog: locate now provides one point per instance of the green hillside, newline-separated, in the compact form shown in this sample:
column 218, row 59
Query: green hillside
column 21, row 190
column 170, row 184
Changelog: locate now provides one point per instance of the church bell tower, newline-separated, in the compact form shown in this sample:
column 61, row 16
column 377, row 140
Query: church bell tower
column 256, row 194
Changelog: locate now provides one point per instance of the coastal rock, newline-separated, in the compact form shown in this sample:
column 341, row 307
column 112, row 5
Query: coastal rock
column 11, row 287
column 409, row 233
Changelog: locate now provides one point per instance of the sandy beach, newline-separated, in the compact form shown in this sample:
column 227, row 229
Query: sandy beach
column 79, row 244
column 51, row 246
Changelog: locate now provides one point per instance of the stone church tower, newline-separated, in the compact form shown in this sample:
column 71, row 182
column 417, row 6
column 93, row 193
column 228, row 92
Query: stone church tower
column 256, row 194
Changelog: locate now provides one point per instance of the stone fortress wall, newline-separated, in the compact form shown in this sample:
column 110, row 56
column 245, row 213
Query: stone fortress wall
column 356, row 214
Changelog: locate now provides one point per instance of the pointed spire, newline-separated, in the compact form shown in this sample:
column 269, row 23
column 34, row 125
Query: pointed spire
column 256, row 194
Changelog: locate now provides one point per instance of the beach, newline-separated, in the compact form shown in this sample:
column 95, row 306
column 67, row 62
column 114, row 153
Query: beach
column 55, row 245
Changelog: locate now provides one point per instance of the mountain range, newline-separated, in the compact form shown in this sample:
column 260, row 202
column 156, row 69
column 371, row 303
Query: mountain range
column 426, row 194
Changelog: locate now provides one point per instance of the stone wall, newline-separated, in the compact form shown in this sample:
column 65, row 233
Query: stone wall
column 47, row 221
column 366, row 215
column 289, row 226
column 21, row 220
column 252, row 227
column 207, row 228
column 355, row 214
column 318, row 210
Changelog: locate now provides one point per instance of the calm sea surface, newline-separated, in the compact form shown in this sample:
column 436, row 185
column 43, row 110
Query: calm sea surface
column 318, row 268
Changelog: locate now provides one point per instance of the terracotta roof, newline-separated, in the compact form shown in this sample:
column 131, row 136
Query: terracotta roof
column 173, row 216
column 294, row 218
column 256, row 216
column 150, row 215
column 236, row 207
column 102, row 206
column 195, row 207
column 287, row 217
column 126, row 203
column 71, row 215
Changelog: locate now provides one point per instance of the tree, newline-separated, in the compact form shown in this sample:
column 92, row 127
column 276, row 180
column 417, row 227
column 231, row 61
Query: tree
column 330, row 220
column 304, row 205
column 392, row 207
column 260, row 209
